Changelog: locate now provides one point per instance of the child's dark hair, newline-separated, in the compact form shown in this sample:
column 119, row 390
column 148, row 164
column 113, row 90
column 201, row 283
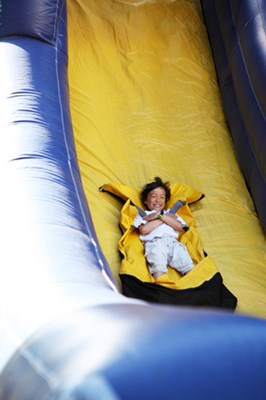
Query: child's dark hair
column 154, row 185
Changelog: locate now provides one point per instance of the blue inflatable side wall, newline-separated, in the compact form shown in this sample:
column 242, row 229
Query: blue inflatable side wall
column 238, row 39
column 66, row 332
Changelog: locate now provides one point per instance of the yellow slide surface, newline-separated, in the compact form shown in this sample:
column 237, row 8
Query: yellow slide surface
column 145, row 102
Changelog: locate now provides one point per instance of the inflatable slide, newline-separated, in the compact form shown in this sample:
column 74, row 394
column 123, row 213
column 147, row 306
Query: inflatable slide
column 96, row 99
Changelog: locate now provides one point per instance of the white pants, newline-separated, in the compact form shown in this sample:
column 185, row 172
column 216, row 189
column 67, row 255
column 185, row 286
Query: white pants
column 167, row 250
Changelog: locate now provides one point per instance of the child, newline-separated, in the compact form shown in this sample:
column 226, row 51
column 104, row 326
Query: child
column 159, row 231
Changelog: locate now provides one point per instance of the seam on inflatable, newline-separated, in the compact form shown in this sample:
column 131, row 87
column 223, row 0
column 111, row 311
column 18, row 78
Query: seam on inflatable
column 97, row 253
column 257, row 162
column 230, row 56
column 260, row 16
column 37, row 365
column 56, row 19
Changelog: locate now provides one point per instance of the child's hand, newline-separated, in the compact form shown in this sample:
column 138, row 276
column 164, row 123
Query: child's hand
column 152, row 217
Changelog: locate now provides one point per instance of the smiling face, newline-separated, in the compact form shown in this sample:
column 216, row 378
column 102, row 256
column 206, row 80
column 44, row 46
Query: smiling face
column 156, row 199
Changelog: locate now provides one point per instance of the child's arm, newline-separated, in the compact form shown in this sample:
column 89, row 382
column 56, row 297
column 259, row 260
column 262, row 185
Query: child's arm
column 150, row 222
column 171, row 220
column 156, row 219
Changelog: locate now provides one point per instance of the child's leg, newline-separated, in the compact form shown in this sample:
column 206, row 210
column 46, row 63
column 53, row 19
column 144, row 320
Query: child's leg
column 180, row 258
column 156, row 256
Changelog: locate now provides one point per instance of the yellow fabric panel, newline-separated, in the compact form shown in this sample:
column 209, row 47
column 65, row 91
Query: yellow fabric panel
column 130, row 246
column 145, row 102
column 134, row 264
column 179, row 191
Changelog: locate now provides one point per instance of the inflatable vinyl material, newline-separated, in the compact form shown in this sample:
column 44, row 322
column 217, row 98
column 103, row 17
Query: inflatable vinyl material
column 66, row 331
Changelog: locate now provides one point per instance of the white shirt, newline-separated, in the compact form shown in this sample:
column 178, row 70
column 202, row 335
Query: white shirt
column 162, row 230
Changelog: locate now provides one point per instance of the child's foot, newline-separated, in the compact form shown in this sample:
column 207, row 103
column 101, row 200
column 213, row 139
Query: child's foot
column 188, row 270
column 157, row 275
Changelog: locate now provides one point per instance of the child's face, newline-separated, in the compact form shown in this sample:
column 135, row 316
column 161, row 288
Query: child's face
column 156, row 199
